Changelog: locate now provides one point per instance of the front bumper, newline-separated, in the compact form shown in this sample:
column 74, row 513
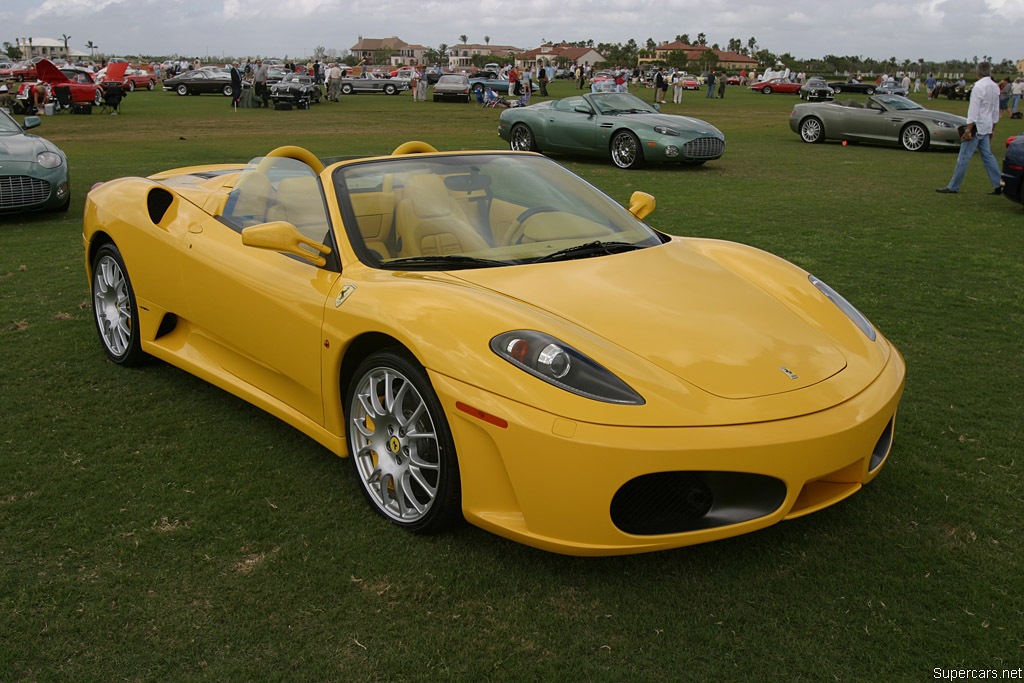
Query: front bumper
column 550, row 482
column 35, row 189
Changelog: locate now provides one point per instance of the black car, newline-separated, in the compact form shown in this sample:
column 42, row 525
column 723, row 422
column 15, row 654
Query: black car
column 893, row 88
column 274, row 75
column 198, row 82
column 1013, row 168
column 296, row 88
column 816, row 89
column 853, row 86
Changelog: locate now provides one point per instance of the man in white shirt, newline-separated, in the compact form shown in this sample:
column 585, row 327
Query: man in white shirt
column 982, row 115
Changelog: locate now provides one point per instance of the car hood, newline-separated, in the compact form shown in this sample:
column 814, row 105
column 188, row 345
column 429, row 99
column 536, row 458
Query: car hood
column 18, row 147
column 952, row 119
column 686, row 123
column 683, row 312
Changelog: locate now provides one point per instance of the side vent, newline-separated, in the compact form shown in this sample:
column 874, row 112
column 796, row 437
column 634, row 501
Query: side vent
column 167, row 325
column 158, row 201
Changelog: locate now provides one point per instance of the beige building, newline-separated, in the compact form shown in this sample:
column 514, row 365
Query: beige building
column 47, row 47
column 548, row 55
column 726, row 60
column 461, row 56
column 402, row 53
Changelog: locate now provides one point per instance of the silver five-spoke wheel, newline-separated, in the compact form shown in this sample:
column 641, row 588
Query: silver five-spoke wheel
column 401, row 445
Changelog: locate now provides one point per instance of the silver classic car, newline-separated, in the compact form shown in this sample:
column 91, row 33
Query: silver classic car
column 886, row 119
column 371, row 83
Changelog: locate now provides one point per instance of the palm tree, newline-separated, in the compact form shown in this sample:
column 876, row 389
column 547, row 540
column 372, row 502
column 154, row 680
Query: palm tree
column 92, row 47
column 487, row 40
column 463, row 38
column 66, row 38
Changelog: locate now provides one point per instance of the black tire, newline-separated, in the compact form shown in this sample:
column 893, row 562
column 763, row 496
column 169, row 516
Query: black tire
column 767, row 90
column 871, row 91
column 837, row 88
column 97, row 98
column 111, row 292
column 914, row 137
column 626, row 151
column 812, row 130
column 521, row 138
column 346, row 88
column 478, row 87
column 389, row 89
column 63, row 208
column 151, row 85
column 182, row 89
column 408, row 471
column 435, row 98
column 131, row 86
column 226, row 90
column 469, row 99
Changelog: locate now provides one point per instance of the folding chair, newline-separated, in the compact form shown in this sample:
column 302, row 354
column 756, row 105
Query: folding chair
column 63, row 94
column 113, row 93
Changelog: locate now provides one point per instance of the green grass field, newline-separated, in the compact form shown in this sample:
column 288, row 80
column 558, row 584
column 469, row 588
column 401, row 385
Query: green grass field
column 153, row 526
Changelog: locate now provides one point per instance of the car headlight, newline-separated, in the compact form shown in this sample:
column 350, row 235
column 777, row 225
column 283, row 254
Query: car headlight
column 558, row 364
column 846, row 307
column 942, row 124
column 662, row 130
column 49, row 160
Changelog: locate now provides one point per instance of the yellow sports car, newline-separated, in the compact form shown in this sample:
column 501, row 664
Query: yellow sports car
column 490, row 337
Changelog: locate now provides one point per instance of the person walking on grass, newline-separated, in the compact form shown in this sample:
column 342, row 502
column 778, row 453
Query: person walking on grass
column 982, row 115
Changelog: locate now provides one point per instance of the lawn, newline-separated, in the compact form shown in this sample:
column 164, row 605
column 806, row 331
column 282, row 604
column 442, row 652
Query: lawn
column 153, row 526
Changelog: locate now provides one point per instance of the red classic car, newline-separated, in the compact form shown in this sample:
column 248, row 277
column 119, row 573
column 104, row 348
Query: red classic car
column 78, row 81
column 776, row 85
column 130, row 77
column 24, row 72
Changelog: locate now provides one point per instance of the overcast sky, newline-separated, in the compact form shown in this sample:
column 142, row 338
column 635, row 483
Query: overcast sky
column 931, row 29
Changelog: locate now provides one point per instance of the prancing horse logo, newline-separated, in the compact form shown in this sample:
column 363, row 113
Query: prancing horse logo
column 787, row 372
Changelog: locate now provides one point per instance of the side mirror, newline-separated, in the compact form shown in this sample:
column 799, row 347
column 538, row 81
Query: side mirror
column 282, row 236
column 30, row 122
column 583, row 109
column 641, row 204
column 657, row 107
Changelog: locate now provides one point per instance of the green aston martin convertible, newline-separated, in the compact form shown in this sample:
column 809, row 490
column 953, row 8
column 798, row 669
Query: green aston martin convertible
column 618, row 125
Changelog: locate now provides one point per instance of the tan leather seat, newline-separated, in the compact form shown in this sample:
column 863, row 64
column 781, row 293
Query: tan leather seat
column 430, row 223
column 299, row 202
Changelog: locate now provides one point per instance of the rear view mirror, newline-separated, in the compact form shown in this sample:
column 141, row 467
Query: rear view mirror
column 282, row 236
column 641, row 204
column 30, row 122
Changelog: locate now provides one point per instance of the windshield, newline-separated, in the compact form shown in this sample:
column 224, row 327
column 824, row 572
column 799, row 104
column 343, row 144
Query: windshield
column 475, row 210
column 620, row 103
column 898, row 103
column 8, row 125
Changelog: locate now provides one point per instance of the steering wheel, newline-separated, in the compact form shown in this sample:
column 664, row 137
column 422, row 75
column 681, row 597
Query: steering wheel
column 516, row 231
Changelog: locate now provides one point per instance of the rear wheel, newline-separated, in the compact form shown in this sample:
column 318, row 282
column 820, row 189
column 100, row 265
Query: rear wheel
column 811, row 130
column 521, row 138
column 226, row 90
column 400, row 443
column 914, row 137
column 346, row 89
column 131, row 86
column 837, row 88
column 97, row 98
column 625, row 150
column 767, row 90
column 871, row 91
column 151, row 85
column 390, row 89
column 114, row 308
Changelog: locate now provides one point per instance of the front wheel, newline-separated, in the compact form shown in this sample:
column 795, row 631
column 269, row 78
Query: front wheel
column 114, row 308
column 131, row 86
column 625, row 150
column 226, row 90
column 521, row 138
column 767, row 90
column 811, row 130
column 182, row 90
column 837, row 88
column 914, row 138
column 401, row 445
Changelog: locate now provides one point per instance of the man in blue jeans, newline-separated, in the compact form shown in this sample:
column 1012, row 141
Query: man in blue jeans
column 711, row 84
column 982, row 115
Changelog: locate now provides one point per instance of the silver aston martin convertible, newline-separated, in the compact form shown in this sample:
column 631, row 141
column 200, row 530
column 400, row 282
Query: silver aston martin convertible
column 885, row 119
